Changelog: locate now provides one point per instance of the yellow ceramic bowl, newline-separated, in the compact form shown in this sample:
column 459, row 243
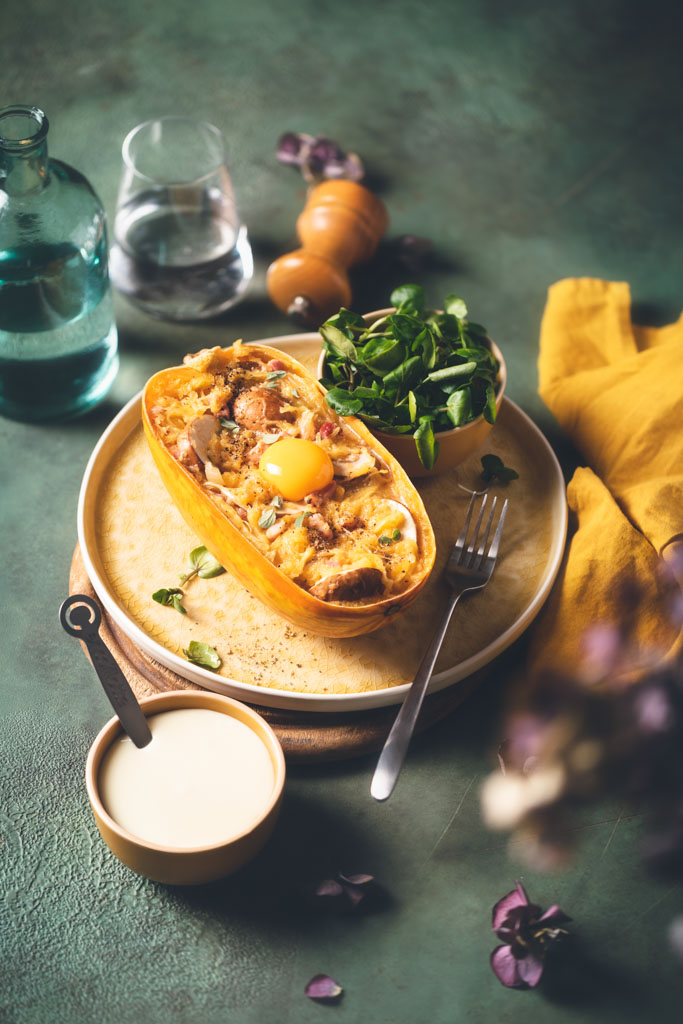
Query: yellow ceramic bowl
column 193, row 865
column 456, row 445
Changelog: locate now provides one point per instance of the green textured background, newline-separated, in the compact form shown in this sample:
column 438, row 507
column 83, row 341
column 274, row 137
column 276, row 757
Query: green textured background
column 529, row 141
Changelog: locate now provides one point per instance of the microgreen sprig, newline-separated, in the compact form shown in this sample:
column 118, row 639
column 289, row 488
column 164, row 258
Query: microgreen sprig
column 494, row 467
column 393, row 536
column 202, row 564
column 171, row 597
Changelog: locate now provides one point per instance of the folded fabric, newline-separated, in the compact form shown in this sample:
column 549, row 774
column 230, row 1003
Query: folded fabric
column 617, row 391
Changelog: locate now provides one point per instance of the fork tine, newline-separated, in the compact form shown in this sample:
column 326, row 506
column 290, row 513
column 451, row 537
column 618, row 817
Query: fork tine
column 467, row 562
column 479, row 558
column 493, row 550
column 460, row 542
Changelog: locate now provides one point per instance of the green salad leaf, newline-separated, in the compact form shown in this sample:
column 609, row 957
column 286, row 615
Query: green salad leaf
column 202, row 654
column 413, row 371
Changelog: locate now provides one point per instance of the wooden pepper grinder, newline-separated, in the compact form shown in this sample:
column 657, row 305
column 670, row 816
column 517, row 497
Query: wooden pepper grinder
column 340, row 225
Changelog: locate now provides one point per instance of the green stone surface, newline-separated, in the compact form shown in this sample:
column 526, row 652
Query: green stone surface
column 529, row 141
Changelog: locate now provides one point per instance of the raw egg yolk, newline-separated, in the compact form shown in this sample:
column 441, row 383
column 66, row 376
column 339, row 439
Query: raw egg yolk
column 296, row 467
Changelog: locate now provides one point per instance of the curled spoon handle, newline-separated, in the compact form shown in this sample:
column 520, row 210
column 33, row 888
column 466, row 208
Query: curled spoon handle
column 80, row 616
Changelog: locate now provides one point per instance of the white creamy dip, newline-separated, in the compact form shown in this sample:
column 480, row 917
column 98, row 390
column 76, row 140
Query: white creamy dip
column 205, row 778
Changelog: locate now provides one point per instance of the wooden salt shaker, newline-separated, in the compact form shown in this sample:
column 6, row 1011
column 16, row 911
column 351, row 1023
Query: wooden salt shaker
column 340, row 225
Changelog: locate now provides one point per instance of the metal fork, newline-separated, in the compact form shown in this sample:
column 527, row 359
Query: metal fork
column 469, row 568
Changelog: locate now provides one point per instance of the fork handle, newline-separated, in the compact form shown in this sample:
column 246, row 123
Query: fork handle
column 396, row 744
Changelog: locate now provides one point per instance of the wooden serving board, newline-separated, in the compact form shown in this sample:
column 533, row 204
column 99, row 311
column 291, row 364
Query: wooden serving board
column 305, row 736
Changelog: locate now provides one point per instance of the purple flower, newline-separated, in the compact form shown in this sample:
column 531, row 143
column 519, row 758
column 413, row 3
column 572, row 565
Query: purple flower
column 526, row 934
column 319, row 158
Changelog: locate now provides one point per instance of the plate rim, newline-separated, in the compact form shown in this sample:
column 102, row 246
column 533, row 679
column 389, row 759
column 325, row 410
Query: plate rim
column 288, row 699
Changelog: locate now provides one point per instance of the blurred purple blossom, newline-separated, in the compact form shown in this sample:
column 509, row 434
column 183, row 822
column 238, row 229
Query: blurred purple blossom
column 527, row 934
column 318, row 158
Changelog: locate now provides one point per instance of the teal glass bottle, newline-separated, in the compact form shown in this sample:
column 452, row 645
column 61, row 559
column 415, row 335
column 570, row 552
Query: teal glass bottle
column 58, row 340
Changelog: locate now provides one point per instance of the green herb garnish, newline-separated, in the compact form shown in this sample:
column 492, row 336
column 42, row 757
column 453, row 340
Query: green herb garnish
column 171, row 597
column 267, row 518
column 412, row 371
column 493, row 466
column 299, row 521
column 395, row 535
column 202, row 654
column 277, row 501
column 203, row 564
column 228, row 424
column 274, row 376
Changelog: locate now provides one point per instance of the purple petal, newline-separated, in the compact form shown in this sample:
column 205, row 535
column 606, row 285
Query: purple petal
column 530, row 970
column 321, row 986
column 325, row 151
column 354, row 894
column 356, row 879
column 554, row 915
column 292, row 147
column 505, row 967
column 516, row 898
column 328, row 887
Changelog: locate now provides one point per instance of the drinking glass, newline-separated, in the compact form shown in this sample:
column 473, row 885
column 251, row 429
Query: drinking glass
column 179, row 250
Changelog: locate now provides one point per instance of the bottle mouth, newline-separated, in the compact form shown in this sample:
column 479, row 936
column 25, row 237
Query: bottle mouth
column 22, row 128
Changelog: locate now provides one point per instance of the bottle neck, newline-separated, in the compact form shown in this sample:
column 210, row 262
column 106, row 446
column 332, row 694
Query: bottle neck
column 24, row 166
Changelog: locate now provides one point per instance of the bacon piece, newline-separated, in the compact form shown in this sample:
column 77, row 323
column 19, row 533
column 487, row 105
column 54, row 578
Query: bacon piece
column 320, row 525
column 257, row 408
column 318, row 498
column 350, row 585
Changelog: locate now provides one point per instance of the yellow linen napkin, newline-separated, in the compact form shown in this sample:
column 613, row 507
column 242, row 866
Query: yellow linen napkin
column 617, row 391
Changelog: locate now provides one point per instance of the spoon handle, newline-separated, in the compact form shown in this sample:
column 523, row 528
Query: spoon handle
column 80, row 616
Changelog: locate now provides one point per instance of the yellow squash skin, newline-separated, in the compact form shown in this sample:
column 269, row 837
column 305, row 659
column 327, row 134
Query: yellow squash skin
column 240, row 557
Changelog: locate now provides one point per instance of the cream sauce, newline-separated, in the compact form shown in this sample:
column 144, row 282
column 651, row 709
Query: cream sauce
column 204, row 778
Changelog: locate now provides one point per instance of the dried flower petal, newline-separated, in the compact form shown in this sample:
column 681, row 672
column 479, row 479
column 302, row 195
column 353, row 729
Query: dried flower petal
column 292, row 147
column 506, row 967
column 356, row 879
column 319, row 158
column 322, row 986
column 328, row 887
column 344, row 891
column 530, row 969
column 516, row 898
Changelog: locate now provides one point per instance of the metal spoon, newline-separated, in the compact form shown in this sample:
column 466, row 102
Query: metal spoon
column 81, row 617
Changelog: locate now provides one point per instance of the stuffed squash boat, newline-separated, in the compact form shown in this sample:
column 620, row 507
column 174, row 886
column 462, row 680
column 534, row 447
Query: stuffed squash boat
column 305, row 508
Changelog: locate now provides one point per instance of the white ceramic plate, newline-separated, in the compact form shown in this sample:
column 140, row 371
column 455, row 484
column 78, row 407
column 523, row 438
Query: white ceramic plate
column 306, row 348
